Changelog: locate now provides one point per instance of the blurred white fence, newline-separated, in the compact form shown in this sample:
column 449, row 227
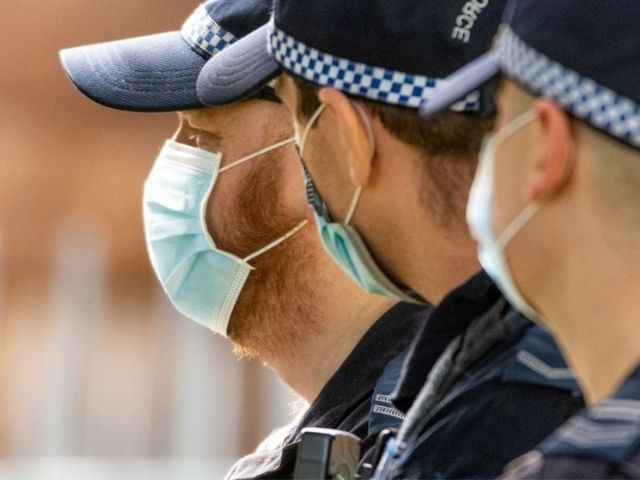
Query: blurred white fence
column 101, row 388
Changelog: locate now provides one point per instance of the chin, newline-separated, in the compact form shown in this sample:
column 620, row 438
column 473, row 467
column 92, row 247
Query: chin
column 276, row 312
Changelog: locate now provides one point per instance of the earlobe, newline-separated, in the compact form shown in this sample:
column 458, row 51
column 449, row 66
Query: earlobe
column 554, row 160
column 355, row 135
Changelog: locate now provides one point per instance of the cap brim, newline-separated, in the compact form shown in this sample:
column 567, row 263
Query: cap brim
column 460, row 83
column 239, row 71
column 154, row 73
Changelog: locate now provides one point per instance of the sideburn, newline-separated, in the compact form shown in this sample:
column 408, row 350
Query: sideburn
column 274, row 312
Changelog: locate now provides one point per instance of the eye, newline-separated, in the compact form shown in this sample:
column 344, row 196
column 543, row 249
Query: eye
column 206, row 140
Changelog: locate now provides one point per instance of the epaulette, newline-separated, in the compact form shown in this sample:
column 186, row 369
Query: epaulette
column 538, row 361
column 609, row 431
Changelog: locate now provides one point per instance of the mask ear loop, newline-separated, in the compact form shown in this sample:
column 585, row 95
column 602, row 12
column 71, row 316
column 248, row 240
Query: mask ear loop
column 358, row 193
column 298, row 227
column 516, row 124
column 257, row 154
column 354, row 203
column 517, row 224
column 276, row 242
column 530, row 210
column 205, row 200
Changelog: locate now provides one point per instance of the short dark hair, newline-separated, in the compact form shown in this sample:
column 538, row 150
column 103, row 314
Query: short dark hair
column 449, row 145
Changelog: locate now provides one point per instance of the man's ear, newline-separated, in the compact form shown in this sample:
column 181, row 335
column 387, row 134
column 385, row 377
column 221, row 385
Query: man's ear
column 555, row 156
column 354, row 133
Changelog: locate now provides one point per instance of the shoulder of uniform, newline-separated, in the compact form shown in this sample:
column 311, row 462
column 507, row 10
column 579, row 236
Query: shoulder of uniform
column 538, row 361
column 536, row 465
column 609, row 431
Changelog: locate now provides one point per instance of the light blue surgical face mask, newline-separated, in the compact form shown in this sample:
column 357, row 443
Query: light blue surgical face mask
column 202, row 281
column 480, row 219
column 342, row 241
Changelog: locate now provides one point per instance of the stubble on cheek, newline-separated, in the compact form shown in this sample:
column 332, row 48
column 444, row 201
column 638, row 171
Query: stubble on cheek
column 274, row 312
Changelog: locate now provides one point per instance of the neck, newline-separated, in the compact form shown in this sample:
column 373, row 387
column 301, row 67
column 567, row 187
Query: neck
column 344, row 313
column 594, row 311
column 447, row 254
column 447, row 264
column 408, row 225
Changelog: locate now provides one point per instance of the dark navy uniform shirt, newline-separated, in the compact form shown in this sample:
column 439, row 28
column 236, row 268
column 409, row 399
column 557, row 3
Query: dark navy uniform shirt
column 602, row 441
column 345, row 401
column 489, row 385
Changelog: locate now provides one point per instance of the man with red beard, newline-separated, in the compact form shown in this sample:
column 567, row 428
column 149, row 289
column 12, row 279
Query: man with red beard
column 225, row 222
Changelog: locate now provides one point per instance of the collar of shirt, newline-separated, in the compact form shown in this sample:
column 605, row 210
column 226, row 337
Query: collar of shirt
column 357, row 376
column 448, row 320
column 608, row 431
column 344, row 402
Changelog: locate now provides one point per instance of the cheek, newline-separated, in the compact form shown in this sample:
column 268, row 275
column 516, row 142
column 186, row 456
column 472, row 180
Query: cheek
column 221, row 201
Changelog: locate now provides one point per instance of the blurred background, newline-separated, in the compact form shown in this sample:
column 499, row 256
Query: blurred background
column 99, row 377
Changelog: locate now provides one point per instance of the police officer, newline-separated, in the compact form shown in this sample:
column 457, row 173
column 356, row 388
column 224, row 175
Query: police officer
column 555, row 206
column 389, row 193
column 207, row 224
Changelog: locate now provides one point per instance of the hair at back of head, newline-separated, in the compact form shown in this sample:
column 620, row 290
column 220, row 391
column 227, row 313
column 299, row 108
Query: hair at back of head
column 447, row 147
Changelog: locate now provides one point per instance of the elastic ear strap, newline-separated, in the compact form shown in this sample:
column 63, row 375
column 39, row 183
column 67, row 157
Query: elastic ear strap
column 354, row 204
column 516, row 124
column 530, row 210
column 516, row 225
column 277, row 242
column 367, row 125
column 258, row 153
column 307, row 129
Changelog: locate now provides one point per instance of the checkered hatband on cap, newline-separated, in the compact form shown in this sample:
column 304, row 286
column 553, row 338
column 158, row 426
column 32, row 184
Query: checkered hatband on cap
column 204, row 35
column 375, row 83
column 583, row 97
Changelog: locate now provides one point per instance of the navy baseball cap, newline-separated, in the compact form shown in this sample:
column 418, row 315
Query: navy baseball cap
column 394, row 52
column 158, row 73
column 582, row 54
